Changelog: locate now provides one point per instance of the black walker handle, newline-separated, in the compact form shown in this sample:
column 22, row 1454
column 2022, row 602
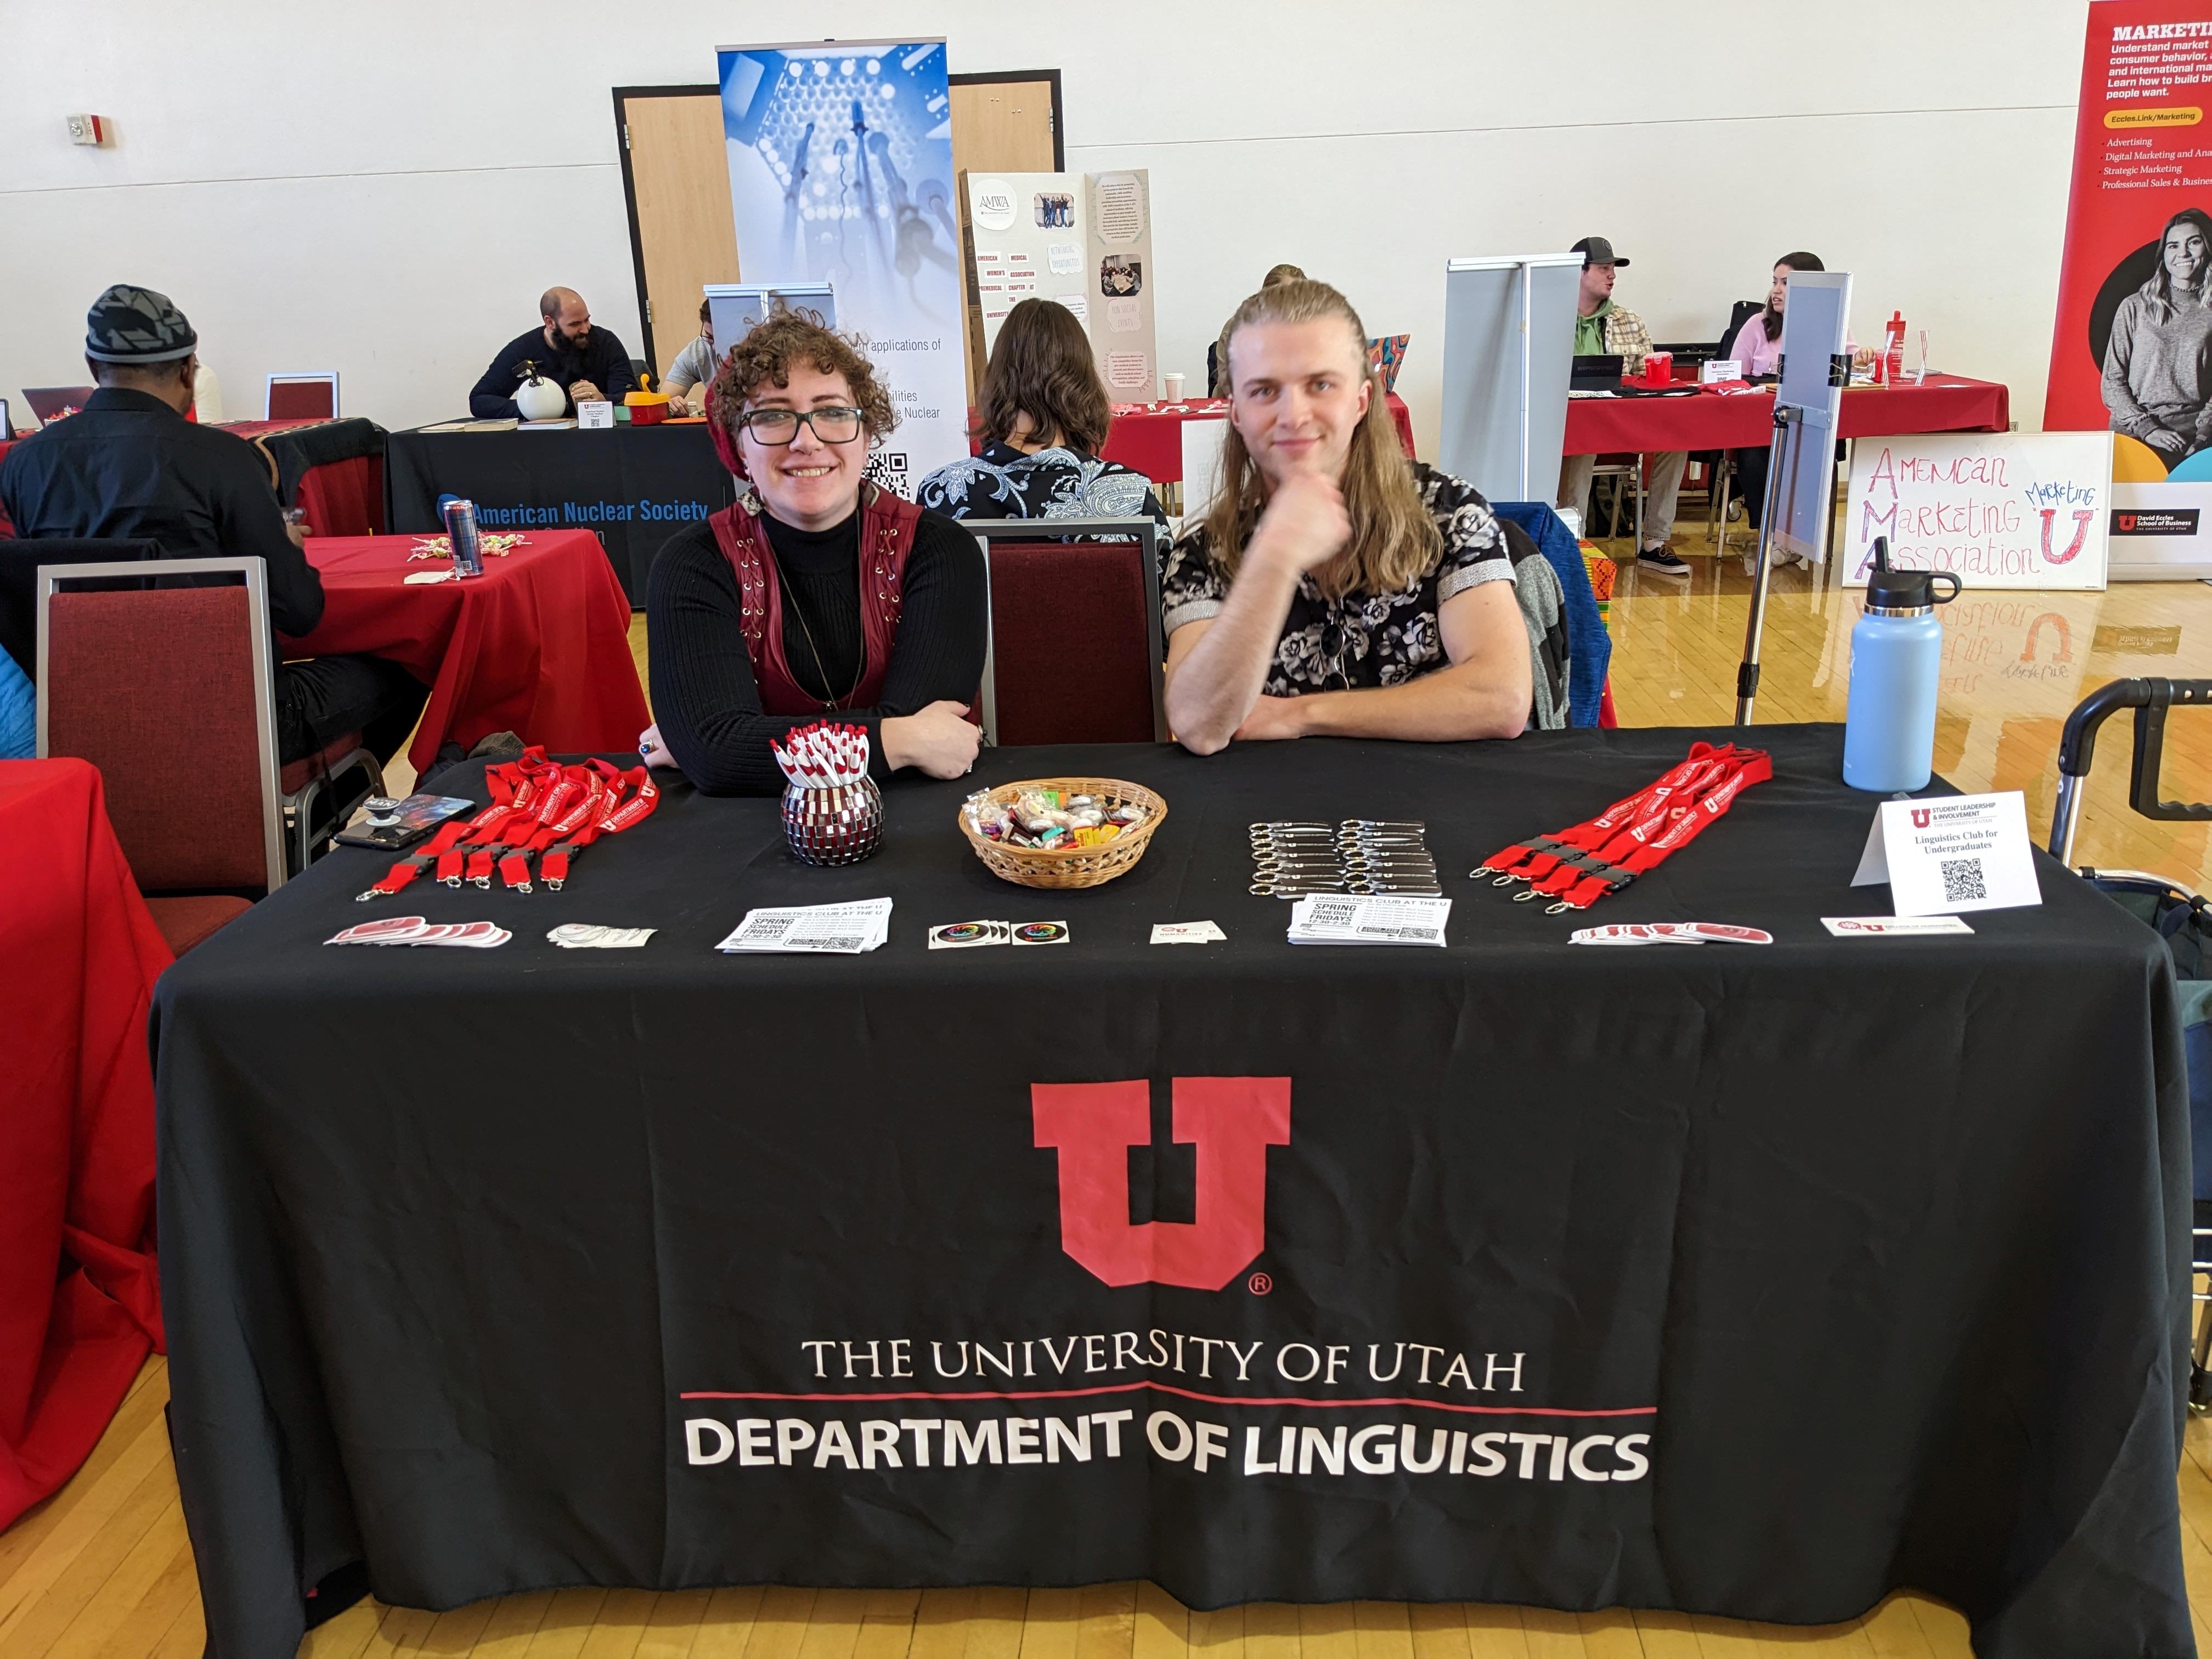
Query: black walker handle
column 2077, row 748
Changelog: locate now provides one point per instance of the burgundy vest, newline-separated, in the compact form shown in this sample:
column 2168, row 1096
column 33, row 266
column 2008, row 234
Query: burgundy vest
column 888, row 524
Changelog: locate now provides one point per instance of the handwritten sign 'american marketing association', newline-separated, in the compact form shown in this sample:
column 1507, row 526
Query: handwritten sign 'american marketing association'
column 2001, row 509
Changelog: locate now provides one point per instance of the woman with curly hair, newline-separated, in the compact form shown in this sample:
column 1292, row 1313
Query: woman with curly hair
column 816, row 596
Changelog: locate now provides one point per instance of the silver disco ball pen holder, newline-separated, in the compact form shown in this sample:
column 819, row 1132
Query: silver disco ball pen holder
column 833, row 813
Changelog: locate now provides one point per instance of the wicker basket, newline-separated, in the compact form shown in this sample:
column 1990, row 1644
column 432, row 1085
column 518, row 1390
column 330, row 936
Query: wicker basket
column 1064, row 868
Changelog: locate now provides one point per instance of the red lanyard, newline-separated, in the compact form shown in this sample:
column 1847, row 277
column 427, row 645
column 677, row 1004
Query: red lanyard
column 616, row 815
column 1647, row 828
column 1536, row 857
column 502, row 782
column 538, row 808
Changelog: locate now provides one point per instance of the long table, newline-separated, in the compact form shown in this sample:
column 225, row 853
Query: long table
column 333, row 469
column 1711, row 419
column 635, row 486
column 1147, row 438
column 1746, row 1280
column 539, row 645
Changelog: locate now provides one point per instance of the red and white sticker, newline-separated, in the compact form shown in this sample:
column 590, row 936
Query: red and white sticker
column 1875, row 927
column 1671, row 932
column 415, row 930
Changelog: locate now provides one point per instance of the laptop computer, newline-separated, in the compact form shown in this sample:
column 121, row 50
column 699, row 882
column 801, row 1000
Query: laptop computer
column 50, row 402
column 1597, row 374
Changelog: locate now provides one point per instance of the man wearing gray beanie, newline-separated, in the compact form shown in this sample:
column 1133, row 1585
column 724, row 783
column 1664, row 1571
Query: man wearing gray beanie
column 130, row 465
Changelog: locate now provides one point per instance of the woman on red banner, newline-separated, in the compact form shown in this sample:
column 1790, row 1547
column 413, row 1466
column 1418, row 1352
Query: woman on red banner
column 2158, row 365
column 818, row 595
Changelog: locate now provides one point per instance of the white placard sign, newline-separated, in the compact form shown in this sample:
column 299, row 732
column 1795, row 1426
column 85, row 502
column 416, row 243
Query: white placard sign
column 1084, row 239
column 1202, row 441
column 595, row 414
column 1952, row 853
column 2000, row 509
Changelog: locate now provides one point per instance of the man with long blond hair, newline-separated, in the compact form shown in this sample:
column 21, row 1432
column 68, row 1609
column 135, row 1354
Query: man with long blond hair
column 1335, row 589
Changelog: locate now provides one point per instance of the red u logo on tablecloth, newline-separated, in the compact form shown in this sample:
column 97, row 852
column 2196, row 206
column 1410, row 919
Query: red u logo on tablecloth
column 1232, row 1120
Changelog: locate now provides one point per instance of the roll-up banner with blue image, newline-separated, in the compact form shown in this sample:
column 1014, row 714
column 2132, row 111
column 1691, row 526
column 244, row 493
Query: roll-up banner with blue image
column 840, row 171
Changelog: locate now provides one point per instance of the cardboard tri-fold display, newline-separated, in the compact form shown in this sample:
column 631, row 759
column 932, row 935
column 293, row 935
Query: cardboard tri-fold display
column 1084, row 239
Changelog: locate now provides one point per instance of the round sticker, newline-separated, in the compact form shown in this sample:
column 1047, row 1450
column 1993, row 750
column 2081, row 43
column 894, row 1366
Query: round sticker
column 992, row 202
column 961, row 932
column 1040, row 933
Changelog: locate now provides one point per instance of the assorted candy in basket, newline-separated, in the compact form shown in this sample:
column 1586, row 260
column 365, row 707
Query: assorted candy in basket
column 1046, row 818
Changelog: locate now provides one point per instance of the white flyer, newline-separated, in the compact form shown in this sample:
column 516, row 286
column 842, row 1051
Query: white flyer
column 1339, row 919
column 1950, row 854
column 834, row 929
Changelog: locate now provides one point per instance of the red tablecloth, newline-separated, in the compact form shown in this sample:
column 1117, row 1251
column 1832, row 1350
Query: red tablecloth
column 341, row 494
column 342, row 497
column 539, row 645
column 1707, row 419
column 1149, row 439
column 79, row 1303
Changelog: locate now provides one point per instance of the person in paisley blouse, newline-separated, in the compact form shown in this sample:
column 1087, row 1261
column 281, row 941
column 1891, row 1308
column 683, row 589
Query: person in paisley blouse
column 1044, row 413
column 1335, row 587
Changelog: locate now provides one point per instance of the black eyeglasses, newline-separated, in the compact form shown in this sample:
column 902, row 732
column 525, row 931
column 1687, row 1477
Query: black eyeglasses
column 833, row 425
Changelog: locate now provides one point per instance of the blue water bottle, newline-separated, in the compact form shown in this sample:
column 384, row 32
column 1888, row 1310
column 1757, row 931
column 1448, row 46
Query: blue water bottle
column 1897, row 662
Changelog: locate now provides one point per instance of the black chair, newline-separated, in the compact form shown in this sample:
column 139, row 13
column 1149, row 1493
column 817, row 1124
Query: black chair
column 1742, row 309
column 18, row 568
column 1722, row 467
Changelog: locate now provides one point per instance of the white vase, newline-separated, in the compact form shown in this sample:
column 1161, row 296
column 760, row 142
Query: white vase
column 540, row 400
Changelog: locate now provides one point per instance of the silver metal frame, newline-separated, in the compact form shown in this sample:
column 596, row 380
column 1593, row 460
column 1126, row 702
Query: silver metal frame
column 1143, row 532
column 255, row 574
column 298, row 378
column 1789, row 438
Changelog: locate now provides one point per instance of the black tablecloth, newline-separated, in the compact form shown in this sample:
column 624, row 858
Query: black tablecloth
column 1814, row 1269
column 636, row 486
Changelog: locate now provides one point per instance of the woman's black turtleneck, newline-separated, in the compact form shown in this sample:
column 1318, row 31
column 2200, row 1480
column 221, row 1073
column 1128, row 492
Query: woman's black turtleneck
column 705, row 699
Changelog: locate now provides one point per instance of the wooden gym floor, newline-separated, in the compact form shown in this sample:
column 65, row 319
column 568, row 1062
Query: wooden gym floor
column 103, row 1570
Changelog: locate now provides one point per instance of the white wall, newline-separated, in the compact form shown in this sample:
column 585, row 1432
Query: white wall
column 385, row 189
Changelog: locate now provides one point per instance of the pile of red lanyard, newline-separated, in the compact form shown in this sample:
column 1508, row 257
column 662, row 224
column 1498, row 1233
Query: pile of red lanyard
column 1580, row 864
column 539, row 809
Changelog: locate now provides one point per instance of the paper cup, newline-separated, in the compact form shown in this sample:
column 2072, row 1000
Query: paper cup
column 1174, row 384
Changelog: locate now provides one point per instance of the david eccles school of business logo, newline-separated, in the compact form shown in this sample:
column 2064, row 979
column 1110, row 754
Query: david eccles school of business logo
column 2141, row 521
column 1231, row 1121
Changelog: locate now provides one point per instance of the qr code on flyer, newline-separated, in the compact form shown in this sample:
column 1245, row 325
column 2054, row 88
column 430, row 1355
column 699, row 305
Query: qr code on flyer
column 1962, row 880
column 887, row 470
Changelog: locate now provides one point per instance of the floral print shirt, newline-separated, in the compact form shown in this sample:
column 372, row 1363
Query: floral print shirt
column 1364, row 640
column 1002, row 482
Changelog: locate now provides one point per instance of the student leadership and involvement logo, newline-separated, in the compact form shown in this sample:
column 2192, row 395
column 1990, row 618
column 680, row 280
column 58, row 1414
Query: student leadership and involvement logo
column 1107, row 1380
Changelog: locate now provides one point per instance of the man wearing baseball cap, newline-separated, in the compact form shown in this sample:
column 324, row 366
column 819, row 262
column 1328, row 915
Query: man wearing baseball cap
column 130, row 465
column 1603, row 329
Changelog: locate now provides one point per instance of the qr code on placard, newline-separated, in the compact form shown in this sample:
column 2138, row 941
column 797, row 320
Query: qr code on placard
column 1962, row 880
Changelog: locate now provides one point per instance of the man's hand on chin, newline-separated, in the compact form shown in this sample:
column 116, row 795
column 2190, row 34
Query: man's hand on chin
column 1272, row 718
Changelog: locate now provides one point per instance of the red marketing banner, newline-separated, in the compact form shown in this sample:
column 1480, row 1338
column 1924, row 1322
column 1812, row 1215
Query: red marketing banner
column 2133, row 348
